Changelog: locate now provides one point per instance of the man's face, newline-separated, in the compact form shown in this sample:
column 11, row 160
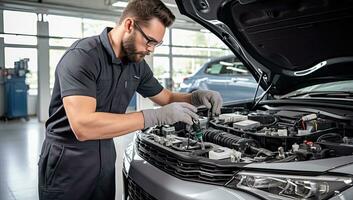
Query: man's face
column 130, row 50
column 142, row 40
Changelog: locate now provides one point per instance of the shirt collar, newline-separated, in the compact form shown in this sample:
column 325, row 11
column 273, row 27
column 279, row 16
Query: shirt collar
column 105, row 41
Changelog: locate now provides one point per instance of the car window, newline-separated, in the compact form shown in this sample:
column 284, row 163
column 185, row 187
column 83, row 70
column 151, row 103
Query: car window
column 337, row 86
column 227, row 68
column 214, row 69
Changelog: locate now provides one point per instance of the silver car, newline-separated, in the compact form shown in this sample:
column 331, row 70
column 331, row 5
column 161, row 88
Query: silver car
column 294, row 141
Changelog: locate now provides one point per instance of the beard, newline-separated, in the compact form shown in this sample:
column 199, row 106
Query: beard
column 129, row 49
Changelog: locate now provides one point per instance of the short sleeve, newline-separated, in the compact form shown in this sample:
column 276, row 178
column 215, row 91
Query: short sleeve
column 149, row 85
column 77, row 74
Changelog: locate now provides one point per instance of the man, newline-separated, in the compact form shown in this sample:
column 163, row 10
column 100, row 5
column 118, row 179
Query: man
column 94, row 82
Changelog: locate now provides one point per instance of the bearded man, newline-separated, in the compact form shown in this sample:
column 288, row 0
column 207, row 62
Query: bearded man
column 94, row 83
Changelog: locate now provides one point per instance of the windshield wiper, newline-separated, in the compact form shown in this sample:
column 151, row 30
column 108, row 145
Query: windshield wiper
column 332, row 94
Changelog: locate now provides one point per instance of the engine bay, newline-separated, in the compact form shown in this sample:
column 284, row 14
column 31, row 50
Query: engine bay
column 266, row 134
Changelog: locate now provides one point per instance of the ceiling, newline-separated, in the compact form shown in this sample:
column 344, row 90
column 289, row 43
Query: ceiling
column 102, row 9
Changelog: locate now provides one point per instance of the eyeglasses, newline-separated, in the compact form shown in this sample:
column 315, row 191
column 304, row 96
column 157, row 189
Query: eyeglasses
column 150, row 41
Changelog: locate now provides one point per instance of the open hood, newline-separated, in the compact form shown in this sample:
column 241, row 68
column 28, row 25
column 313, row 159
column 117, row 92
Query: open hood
column 289, row 44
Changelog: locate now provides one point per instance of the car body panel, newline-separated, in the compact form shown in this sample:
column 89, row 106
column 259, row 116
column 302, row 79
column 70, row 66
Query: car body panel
column 347, row 169
column 162, row 186
column 317, row 166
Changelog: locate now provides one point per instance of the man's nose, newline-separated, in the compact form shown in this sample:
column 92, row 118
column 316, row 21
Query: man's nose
column 150, row 48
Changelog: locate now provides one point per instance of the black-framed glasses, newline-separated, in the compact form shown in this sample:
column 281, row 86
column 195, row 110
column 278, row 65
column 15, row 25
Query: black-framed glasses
column 149, row 41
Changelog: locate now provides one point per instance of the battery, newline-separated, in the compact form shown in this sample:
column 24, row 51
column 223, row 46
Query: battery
column 246, row 124
column 232, row 117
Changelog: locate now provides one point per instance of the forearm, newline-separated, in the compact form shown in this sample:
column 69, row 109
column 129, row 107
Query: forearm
column 180, row 97
column 99, row 125
column 166, row 97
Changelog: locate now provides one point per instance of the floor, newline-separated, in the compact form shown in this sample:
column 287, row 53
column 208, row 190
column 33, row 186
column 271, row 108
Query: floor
column 20, row 144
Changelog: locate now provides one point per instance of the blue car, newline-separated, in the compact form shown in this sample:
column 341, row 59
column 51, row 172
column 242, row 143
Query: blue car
column 225, row 74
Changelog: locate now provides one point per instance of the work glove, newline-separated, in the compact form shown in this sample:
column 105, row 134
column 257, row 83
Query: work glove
column 170, row 114
column 209, row 98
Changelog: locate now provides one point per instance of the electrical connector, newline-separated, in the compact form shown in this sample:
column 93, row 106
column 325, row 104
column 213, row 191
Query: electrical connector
column 198, row 133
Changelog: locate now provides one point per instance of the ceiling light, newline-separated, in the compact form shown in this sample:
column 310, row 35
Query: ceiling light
column 122, row 4
column 171, row 5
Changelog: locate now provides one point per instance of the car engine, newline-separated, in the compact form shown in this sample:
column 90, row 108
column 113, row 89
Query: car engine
column 266, row 134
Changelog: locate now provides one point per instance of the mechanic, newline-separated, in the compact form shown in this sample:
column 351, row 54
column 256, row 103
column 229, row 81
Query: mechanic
column 94, row 83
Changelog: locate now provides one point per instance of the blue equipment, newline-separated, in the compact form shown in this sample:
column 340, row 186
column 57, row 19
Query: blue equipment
column 16, row 90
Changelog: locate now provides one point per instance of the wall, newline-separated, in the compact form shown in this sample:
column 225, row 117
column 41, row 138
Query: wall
column 2, row 103
column 32, row 105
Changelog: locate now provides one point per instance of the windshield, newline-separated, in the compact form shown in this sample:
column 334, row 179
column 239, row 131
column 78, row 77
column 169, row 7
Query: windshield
column 338, row 86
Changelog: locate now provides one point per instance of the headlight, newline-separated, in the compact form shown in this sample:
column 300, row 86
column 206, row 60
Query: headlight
column 277, row 186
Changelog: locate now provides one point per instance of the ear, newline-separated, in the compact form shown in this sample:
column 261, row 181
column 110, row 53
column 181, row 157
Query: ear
column 128, row 25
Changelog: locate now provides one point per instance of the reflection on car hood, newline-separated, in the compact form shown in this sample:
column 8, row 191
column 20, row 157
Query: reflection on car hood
column 293, row 43
column 306, row 166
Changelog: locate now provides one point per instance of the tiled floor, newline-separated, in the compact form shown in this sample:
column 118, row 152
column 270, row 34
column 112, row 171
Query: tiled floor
column 20, row 144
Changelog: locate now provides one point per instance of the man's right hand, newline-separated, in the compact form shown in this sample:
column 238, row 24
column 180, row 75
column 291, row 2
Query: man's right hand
column 170, row 114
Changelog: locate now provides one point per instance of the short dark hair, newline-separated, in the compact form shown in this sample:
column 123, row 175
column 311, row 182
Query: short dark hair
column 145, row 10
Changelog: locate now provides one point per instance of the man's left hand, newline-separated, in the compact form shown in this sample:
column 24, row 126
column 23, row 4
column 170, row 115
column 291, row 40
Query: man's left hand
column 209, row 98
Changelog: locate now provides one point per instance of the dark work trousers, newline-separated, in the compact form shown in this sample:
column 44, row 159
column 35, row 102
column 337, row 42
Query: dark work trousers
column 77, row 170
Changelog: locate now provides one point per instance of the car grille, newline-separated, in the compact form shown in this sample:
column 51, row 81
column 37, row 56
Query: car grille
column 184, row 168
column 135, row 192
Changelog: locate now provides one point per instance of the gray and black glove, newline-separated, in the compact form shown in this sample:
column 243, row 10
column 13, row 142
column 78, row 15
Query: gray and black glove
column 209, row 98
column 170, row 114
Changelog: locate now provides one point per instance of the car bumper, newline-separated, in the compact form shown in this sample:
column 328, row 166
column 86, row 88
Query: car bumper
column 144, row 181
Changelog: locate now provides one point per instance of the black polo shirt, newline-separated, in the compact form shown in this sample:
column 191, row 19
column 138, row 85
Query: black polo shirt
column 90, row 68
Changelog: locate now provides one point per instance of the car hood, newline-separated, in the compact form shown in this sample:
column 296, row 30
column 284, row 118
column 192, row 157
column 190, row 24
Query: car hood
column 322, row 165
column 291, row 43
